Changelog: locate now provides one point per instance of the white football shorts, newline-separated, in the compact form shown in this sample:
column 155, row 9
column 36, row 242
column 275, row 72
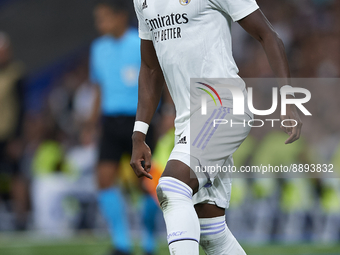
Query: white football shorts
column 207, row 144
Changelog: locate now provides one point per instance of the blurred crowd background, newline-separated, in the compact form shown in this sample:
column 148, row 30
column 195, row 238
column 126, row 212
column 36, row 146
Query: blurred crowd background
column 48, row 152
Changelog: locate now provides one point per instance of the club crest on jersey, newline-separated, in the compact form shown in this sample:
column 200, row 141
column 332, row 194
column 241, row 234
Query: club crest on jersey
column 184, row 2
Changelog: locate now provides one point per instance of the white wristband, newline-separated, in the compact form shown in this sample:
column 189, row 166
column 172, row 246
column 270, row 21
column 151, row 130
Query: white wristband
column 285, row 87
column 141, row 127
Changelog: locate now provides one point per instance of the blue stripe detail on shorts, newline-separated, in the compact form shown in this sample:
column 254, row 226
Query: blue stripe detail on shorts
column 206, row 132
column 204, row 126
column 213, row 131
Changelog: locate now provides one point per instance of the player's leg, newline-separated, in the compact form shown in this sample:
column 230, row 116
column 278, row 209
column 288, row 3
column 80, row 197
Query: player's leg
column 110, row 197
column 210, row 203
column 175, row 191
column 112, row 206
column 216, row 237
column 150, row 211
column 149, row 207
column 211, row 200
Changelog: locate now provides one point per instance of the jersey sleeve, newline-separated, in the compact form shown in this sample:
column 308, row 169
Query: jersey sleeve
column 236, row 9
column 143, row 29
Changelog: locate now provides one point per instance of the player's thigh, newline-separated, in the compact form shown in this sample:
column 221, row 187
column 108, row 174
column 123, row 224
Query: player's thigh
column 205, row 210
column 216, row 192
column 182, row 172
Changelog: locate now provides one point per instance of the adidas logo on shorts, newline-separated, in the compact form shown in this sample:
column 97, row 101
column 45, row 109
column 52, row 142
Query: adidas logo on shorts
column 183, row 140
column 144, row 5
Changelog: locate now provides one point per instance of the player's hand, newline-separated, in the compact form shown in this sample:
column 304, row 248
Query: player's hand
column 141, row 156
column 293, row 132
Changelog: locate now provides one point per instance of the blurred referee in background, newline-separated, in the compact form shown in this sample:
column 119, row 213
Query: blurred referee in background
column 114, row 69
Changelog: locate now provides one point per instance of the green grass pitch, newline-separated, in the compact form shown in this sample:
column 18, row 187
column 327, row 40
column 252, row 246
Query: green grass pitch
column 15, row 245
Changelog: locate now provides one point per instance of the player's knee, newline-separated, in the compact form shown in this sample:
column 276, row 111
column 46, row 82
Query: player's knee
column 170, row 190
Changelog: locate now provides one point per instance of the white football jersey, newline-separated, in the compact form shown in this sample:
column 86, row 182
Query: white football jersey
column 192, row 39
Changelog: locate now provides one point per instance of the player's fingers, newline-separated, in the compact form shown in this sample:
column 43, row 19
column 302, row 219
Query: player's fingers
column 287, row 130
column 147, row 161
column 137, row 166
column 294, row 135
column 290, row 139
column 283, row 128
column 144, row 173
column 139, row 170
column 296, row 131
column 147, row 175
column 299, row 130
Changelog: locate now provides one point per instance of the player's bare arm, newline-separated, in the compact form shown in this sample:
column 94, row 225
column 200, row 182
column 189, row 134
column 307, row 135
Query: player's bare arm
column 257, row 25
column 150, row 85
column 95, row 113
